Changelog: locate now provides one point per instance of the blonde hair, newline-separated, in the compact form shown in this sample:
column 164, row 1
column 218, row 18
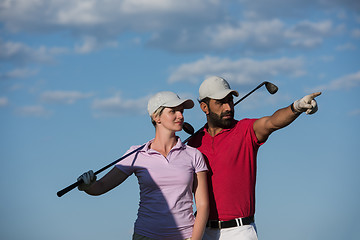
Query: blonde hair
column 156, row 113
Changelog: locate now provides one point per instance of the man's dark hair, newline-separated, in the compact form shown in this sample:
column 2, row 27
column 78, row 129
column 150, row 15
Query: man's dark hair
column 205, row 100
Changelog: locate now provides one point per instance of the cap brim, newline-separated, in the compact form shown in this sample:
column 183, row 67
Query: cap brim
column 223, row 94
column 187, row 103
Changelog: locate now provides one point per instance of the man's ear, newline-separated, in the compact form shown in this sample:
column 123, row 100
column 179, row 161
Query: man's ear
column 204, row 107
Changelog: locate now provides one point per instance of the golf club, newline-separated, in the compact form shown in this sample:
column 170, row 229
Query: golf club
column 270, row 87
column 186, row 127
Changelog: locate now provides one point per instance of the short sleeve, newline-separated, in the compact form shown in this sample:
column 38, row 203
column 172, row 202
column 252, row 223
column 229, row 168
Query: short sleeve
column 199, row 163
column 252, row 135
column 126, row 165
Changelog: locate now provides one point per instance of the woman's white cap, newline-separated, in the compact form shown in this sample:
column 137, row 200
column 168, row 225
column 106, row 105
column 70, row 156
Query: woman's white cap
column 167, row 99
column 215, row 88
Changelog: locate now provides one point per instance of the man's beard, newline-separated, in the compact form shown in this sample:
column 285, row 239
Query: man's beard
column 219, row 121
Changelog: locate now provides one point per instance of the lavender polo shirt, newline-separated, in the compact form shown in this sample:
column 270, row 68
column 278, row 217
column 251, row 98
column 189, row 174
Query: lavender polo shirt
column 166, row 184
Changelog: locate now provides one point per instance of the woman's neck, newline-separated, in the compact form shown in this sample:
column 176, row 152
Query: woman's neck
column 164, row 142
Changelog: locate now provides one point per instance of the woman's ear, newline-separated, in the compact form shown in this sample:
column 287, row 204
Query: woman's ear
column 204, row 107
column 156, row 119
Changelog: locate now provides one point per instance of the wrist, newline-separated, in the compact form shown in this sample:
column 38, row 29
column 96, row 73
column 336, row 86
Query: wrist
column 297, row 113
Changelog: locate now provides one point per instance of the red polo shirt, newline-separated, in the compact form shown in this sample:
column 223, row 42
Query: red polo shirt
column 231, row 158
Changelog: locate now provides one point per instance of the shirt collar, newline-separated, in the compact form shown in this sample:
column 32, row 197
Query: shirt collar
column 179, row 145
column 206, row 126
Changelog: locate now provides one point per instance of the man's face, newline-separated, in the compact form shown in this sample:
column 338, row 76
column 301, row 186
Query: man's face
column 221, row 112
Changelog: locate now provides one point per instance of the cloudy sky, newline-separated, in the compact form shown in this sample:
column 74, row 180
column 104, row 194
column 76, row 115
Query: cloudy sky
column 75, row 77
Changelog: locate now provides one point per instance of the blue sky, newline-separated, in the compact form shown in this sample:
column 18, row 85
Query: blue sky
column 75, row 77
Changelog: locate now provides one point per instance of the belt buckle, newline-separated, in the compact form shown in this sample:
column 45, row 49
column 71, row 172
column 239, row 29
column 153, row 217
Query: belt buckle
column 239, row 222
column 219, row 223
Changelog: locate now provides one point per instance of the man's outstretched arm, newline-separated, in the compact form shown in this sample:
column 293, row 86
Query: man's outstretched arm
column 264, row 126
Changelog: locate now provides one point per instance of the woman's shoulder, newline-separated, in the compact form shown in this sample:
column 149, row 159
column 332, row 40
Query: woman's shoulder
column 139, row 147
column 191, row 150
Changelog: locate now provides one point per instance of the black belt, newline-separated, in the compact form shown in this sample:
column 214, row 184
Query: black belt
column 231, row 223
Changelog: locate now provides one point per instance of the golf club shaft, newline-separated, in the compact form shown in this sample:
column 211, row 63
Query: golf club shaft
column 238, row 101
column 259, row 86
column 76, row 184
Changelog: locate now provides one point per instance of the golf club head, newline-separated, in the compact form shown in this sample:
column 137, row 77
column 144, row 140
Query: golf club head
column 188, row 128
column 272, row 88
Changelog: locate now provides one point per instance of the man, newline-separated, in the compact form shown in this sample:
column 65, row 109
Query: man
column 230, row 150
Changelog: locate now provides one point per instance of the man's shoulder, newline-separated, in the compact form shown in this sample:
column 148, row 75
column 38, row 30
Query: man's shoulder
column 245, row 121
column 243, row 125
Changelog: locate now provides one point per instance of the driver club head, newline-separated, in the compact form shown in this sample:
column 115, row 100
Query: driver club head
column 272, row 88
column 188, row 128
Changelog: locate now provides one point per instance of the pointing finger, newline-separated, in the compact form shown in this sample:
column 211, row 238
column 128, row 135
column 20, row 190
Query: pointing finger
column 314, row 95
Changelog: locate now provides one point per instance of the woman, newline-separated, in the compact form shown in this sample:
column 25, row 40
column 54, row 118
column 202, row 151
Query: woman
column 168, row 172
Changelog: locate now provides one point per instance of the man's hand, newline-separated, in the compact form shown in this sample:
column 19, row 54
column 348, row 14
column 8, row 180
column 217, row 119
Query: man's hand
column 88, row 179
column 307, row 104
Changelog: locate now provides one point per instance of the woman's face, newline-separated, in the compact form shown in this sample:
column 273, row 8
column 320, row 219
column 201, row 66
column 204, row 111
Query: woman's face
column 172, row 118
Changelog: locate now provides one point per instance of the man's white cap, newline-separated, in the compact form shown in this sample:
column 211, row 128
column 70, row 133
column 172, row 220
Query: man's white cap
column 167, row 99
column 215, row 88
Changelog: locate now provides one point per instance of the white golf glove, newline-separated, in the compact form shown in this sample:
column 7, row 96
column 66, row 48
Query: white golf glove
column 307, row 104
column 88, row 179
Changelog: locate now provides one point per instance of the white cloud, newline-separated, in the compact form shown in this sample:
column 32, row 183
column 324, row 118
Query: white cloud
column 98, row 23
column 264, row 9
column 342, row 15
column 248, row 36
column 18, row 73
column 79, row 13
column 309, row 34
column 91, row 44
column 171, row 23
column 164, row 6
column 346, row 46
column 344, row 82
column 116, row 105
column 33, row 110
column 29, row 15
column 4, row 101
column 16, row 51
column 88, row 45
column 327, row 58
column 356, row 33
column 241, row 71
column 16, row 87
column 110, row 15
column 259, row 33
column 67, row 97
column 20, row 53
